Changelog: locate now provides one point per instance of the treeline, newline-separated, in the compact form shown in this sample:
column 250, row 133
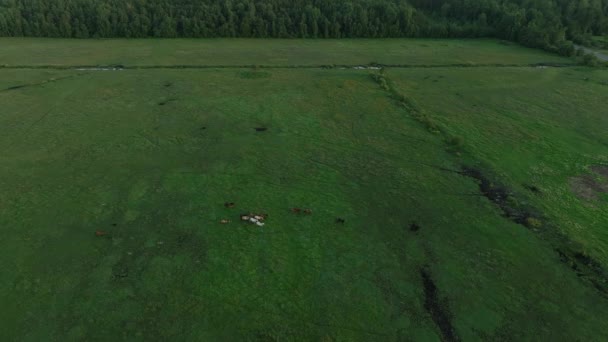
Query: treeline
column 546, row 24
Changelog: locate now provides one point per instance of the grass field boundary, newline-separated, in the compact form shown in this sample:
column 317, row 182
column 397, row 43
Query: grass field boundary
column 498, row 192
column 50, row 80
column 371, row 66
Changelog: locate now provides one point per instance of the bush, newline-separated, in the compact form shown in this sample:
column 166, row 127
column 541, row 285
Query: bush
column 381, row 81
column 429, row 123
column 590, row 60
column 532, row 222
column 566, row 49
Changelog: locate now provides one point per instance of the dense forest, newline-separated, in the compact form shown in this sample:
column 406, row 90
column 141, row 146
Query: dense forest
column 548, row 24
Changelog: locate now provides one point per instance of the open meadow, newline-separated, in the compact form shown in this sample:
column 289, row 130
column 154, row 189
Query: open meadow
column 463, row 199
column 270, row 52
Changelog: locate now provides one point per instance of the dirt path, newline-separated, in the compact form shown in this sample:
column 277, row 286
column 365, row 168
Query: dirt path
column 599, row 55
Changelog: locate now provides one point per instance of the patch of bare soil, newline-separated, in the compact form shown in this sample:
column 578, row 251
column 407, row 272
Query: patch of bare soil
column 586, row 267
column 587, row 187
column 437, row 309
column 601, row 170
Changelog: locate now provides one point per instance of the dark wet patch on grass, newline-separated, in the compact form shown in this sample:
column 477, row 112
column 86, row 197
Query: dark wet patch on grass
column 533, row 188
column 414, row 227
column 21, row 86
column 260, row 129
column 585, row 267
column 587, row 261
column 501, row 196
column 16, row 87
column 582, row 264
column 587, row 187
column 162, row 103
column 438, row 310
column 512, row 208
column 601, row 170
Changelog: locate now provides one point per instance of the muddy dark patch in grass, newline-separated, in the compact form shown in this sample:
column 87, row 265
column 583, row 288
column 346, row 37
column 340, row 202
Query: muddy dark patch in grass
column 587, row 260
column 203, row 128
column 533, row 188
column 501, row 196
column 601, row 170
column 261, row 129
column 414, row 227
column 439, row 311
column 585, row 267
column 39, row 83
column 162, row 103
column 586, row 187
column 168, row 84
column 582, row 264
column 16, row 87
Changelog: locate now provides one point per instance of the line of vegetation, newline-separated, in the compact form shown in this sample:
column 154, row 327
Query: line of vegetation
column 295, row 66
column 455, row 143
column 21, row 86
column 438, row 309
column 589, row 59
column 513, row 206
column 547, row 24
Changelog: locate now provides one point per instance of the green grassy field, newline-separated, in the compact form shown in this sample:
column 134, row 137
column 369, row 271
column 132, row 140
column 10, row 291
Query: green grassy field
column 276, row 52
column 151, row 156
column 536, row 127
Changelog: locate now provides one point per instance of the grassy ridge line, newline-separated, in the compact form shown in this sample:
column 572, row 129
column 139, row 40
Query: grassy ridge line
column 319, row 66
column 50, row 80
column 512, row 204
